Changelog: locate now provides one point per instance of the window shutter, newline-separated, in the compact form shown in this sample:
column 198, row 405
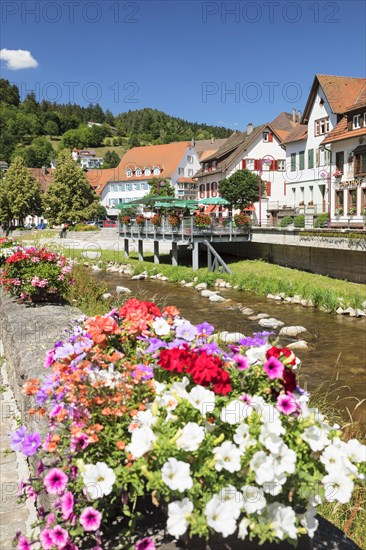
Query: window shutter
column 257, row 164
column 268, row 188
column 202, row 191
column 275, row 165
column 214, row 188
column 243, row 164
column 270, row 138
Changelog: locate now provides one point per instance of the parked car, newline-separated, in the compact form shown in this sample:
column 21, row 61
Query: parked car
column 109, row 223
column 41, row 226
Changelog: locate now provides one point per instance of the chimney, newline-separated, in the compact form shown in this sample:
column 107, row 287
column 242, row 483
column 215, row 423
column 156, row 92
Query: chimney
column 249, row 128
column 299, row 114
column 294, row 115
column 212, row 139
column 193, row 142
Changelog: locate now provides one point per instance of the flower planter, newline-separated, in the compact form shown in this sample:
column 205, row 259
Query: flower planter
column 232, row 543
column 40, row 299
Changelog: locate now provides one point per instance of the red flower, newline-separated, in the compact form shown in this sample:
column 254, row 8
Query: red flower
column 175, row 360
column 289, row 380
column 222, row 384
column 205, row 369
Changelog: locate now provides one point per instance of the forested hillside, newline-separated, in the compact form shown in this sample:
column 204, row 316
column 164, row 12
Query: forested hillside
column 37, row 130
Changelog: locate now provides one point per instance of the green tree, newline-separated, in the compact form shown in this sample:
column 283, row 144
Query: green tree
column 101, row 212
column 161, row 187
column 21, row 194
column 30, row 104
column 241, row 188
column 43, row 151
column 9, row 94
column 69, row 199
column 111, row 160
column 51, row 128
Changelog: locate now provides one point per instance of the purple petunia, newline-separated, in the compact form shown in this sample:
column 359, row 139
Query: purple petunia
column 55, row 481
column 17, row 438
column 90, row 519
column 186, row 331
column 286, row 404
column 145, row 371
column 205, row 329
column 31, row 443
column 145, row 544
column 155, row 344
column 67, row 505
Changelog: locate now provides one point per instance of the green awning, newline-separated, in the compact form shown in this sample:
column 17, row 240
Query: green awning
column 214, row 200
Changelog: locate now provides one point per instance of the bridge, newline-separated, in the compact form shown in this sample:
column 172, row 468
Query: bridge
column 185, row 234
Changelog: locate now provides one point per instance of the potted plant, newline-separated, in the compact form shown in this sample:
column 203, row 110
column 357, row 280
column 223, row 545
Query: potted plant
column 173, row 220
column 202, row 220
column 125, row 219
column 352, row 210
column 36, row 274
column 242, row 220
column 140, row 219
column 143, row 404
column 310, row 204
column 339, row 211
column 338, row 173
column 156, row 220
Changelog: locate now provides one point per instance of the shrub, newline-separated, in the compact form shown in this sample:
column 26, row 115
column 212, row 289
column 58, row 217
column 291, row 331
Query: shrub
column 321, row 219
column 7, row 247
column 222, row 439
column 35, row 273
column 299, row 221
column 83, row 227
column 285, row 221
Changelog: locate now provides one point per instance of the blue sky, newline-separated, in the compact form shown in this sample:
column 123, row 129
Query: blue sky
column 224, row 63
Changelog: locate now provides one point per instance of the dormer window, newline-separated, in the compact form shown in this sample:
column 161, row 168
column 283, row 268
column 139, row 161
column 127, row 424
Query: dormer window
column 138, row 172
column 147, row 172
column 356, row 122
column 156, row 171
column 214, row 165
column 129, row 173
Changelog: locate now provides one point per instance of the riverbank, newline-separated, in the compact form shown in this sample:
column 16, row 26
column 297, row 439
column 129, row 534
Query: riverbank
column 255, row 276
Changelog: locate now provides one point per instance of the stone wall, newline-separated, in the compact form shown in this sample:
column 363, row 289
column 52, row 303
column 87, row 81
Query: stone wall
column 338, row 263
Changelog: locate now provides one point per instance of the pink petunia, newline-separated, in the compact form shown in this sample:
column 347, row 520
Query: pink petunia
column 145, row 544
column 46, row 539
column 242, row 361
column 286, row 404
column 48, row 360
column 90, row 519
column 23, row 544
column 274, row 368
column 55, row 481
column 67, row 505
column 59, row 536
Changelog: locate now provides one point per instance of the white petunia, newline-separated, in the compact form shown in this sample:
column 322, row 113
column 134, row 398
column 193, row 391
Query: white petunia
column 283, row 520
column 253, row 499
column 337, row 486
column 202, row 399
column 191, row 437
column 145, row 419
column 243, row 528
column 227, row 457
column 257, row 355
column 284, row 460
column 159, row 387
column 161, row 327
column 179, row 388
column 221, row 516
column 176, row 475
column 235, row 412
column 98, row 479
column 274, row 487
column 231, row 494
column 316, row 438
column 355, row 451
column 242, row 437
column 142, row 441
column 263, row 467
column 309, row 521
column 270, row 441
column 178, row 512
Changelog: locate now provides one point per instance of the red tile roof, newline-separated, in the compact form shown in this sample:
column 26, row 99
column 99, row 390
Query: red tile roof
column 44, row 176
column 187, row 180
column 340, row 91
column 341, row 132
column 98, row 179
column 299, row 133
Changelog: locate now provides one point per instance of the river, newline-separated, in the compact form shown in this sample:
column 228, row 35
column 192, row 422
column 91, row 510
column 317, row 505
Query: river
column 335, row 360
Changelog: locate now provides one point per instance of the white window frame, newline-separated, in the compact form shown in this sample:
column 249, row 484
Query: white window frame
column 129, row 173
column 190, row 172
column 265, row 137
column 281, row 165
column 356, row 124
column 249, row 164
column 138, row 172
column 180, row 171
column 112, row 188
column 147, row 172
column 156, row 171
column 321, row 126
column 190, row 159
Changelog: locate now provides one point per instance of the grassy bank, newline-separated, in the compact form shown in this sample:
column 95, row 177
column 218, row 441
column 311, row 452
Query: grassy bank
column 254, row 276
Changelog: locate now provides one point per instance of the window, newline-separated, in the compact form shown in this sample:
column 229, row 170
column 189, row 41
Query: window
column 364, row 120
column 136, row 187
column 202, row 190
column 181, row 171
column 147, row 172
column 302, row 160
column 156, row 171
column 138, row 172
column 360, row 164
column 265, row 137
column 250, row 164
column 352, row 201
column 339, row 199
column 214, row 162
column 112, row 188
column 326, row 156
column 311, row 158
column 190, row 159
column 340, row 160
column 128, row 186
column 128, row 173
column 356, row 122
column 321, row 126
column 190, row 172
column 293, row 162
column 281, row 165
column 145, row 186
column 205, row 166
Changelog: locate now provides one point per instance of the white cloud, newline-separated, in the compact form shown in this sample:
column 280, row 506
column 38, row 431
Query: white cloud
column 18, row 59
